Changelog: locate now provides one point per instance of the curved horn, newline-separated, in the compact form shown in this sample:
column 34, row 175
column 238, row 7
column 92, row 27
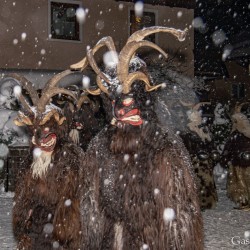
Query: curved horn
column 22, row 120
column 141, row 34
column 89, row 59
column 198, row 105
column 80, row 65
column 238, row 107
column 106, row 41
column 50, row 90
column 25, row 104
column 26, row 84
column 126, row 55
column 92, row 62
column 83, row 98
column 55, row 80
column 94, row 92
column 187, row 104
column 101, row 88
column 138, row 76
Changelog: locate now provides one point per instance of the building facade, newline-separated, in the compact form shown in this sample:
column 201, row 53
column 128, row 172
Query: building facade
column 46, row 35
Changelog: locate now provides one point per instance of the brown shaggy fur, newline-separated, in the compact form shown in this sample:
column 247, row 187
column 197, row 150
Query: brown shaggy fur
column 41, row 218
column 92, row 120
column 139, row 172
column 238, row 183
column 203, row 168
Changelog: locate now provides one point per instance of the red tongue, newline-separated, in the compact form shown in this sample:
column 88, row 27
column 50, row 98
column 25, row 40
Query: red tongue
column 48, row 138
column 131, row 113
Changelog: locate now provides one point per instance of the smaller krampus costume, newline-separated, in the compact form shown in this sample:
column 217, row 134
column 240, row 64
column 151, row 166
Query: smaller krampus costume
column 86, row 117
column 198, row 142
column 236, row 156
column 142, row 193
column 46, row 213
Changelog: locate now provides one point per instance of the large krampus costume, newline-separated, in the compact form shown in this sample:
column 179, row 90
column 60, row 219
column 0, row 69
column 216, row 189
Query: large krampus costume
column 236, row 156
column 46, row 213
column 142, row 193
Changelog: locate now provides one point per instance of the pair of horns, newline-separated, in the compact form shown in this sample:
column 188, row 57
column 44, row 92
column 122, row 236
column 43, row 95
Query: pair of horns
column 134, row 42
column 48, row 92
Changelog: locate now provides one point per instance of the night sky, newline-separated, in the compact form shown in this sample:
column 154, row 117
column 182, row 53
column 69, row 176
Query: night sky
column 220, row 26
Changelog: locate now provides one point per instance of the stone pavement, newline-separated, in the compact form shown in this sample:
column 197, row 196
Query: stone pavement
column 220, row 224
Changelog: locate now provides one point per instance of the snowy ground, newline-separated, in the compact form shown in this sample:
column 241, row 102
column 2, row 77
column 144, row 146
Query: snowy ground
column 221, row 224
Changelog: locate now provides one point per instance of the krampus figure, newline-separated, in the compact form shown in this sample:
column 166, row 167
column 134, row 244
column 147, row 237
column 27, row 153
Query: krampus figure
column 142, row 192
column 46, row 213
column 87, row 120
column 198, row 142
column 236, row 156
column 85, row 115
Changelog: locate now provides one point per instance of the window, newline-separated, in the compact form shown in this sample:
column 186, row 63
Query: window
column 63, row 23
column 238, row 90
column 136, row 23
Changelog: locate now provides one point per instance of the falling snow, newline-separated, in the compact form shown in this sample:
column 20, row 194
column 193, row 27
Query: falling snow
column 85, row 82
column 68, row 203
column 139, row 8
column 168, row 214
column 4, row 150
column 81, row 15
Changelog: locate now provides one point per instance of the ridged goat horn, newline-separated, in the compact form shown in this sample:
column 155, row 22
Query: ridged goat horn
column 238, row 107
column 28, row 86
column 141, row 34
column 187, row 104
column 198, row 105
column 90, row 60
column 83, row 99
column 135, row 42
column 124, row 61
column 51, row 90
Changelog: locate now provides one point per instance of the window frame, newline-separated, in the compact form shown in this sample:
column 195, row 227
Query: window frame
column 50, row 38
column 236, row 86
column 144, row 10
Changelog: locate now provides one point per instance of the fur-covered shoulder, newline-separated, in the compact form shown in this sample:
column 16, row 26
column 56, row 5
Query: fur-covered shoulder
column 100, row 138
column 69, row 155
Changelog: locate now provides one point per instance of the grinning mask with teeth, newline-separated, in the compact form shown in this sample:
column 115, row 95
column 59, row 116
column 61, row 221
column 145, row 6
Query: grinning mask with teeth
column 125, row 111
column 44, row 139
column 46, row 136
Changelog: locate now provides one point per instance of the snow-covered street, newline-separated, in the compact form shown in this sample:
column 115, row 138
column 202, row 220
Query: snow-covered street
column 6, row 236
column 223, row 225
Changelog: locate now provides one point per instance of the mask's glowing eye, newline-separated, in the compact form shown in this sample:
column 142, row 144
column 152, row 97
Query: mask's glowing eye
column 127, row 101
column 46, row 129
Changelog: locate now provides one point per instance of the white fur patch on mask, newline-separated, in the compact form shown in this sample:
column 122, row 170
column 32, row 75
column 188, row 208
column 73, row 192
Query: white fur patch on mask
column 118, row 241
column 40, row 164
column 242, row 124
column 195, row 121
column 74, row 135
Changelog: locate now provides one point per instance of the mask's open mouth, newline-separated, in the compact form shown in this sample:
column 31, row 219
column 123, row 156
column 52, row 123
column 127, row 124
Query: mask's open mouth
column 47, row 142
column 132, row 117
column 78, row 125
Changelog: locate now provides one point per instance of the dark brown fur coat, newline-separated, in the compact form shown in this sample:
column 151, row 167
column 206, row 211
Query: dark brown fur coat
column 203, row 161
column 135, row 174
column 46, row 211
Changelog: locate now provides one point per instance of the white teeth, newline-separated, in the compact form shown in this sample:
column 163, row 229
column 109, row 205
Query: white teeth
column 49, row 143
column 134, row 118
column 33, row 140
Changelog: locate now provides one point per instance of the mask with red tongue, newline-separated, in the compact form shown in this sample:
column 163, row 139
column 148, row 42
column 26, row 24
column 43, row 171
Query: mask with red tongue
column 45, row 140
column 126, row 112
